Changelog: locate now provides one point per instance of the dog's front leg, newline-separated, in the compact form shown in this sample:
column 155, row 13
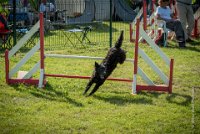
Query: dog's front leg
column 95, row 89
column 88, row 86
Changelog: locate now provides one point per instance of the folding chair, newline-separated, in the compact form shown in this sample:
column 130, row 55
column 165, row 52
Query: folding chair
column 83, row 34
column 166, row 32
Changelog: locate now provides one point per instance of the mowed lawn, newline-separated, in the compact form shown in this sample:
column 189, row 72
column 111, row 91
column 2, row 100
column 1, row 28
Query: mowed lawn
column 60, row 107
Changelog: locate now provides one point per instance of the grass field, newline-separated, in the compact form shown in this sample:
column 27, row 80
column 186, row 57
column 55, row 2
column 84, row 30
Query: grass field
column 61, row 108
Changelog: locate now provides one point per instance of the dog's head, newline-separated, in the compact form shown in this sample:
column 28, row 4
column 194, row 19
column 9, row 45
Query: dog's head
column 100, row 70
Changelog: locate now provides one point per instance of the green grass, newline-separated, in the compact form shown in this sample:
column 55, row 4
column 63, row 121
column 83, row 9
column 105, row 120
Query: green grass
column 61, row 108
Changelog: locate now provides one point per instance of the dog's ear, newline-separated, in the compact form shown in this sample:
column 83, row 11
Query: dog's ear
column 96, row 65
column 118, row 44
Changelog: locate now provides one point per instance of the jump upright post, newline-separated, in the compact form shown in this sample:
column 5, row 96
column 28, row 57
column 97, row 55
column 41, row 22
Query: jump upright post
column 167, row 87
column 26, row 78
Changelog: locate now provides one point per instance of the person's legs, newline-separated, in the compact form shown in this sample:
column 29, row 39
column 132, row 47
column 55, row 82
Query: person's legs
column 177, row 28
column 190, row 20
column 181, row 12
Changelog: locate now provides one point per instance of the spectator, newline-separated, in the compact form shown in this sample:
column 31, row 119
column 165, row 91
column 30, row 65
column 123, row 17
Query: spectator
column 3, row 22
column 163, row 12
column 43, row 6
column 11, row 2
column 25, row 5
column 186, row 16
column 48, row 9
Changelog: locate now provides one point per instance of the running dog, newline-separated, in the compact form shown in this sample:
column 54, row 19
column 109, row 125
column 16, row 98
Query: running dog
column 101, row 72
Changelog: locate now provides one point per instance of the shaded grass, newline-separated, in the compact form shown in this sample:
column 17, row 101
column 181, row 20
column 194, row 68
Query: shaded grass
column 61, row 108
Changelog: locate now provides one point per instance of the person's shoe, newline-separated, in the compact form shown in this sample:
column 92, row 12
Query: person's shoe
column 189, row 40
column 182, row 44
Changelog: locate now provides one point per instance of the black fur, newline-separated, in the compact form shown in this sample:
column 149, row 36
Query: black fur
column 114, row 56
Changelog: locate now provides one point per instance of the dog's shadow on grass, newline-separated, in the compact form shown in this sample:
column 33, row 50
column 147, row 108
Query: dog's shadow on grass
column 51, row 94
column 122, row 99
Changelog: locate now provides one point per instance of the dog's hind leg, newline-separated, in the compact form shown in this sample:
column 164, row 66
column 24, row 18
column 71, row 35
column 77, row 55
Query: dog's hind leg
column 88, row 87
column 95, row 89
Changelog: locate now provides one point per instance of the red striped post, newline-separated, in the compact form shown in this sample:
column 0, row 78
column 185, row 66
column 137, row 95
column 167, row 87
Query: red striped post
column 136, row 46
column 131, row 32
column 41, row 82
column 171, row 75
column 7, row 66
column 41, row 41
column 144, row 15
column 136, row 57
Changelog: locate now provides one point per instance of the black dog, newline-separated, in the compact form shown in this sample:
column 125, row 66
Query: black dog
column 114, row 56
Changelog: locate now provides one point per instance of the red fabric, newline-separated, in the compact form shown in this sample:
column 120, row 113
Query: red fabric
column 2, row 25
column 4, row 31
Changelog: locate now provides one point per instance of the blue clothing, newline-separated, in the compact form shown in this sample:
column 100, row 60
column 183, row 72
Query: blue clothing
column 164, row 13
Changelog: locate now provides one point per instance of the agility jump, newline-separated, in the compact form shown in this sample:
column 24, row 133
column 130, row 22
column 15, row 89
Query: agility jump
column 9, row 54
column 150, row 86
column 151, row 25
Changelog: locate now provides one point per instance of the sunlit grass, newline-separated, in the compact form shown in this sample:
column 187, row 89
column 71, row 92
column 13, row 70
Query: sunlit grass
column 61, row 108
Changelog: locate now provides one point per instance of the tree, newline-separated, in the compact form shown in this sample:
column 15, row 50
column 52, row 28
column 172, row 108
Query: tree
column 2, row 2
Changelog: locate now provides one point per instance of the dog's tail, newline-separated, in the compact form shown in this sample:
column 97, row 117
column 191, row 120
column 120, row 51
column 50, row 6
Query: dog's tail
column 118, row 44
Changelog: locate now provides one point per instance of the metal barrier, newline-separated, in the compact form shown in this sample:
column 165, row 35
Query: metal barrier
column 95, row 13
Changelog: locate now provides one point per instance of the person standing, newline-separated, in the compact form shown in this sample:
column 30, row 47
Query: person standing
column 186, row 16
column 43, row 6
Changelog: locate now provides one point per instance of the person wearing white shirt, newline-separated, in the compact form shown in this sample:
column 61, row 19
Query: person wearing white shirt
column 163, row 12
